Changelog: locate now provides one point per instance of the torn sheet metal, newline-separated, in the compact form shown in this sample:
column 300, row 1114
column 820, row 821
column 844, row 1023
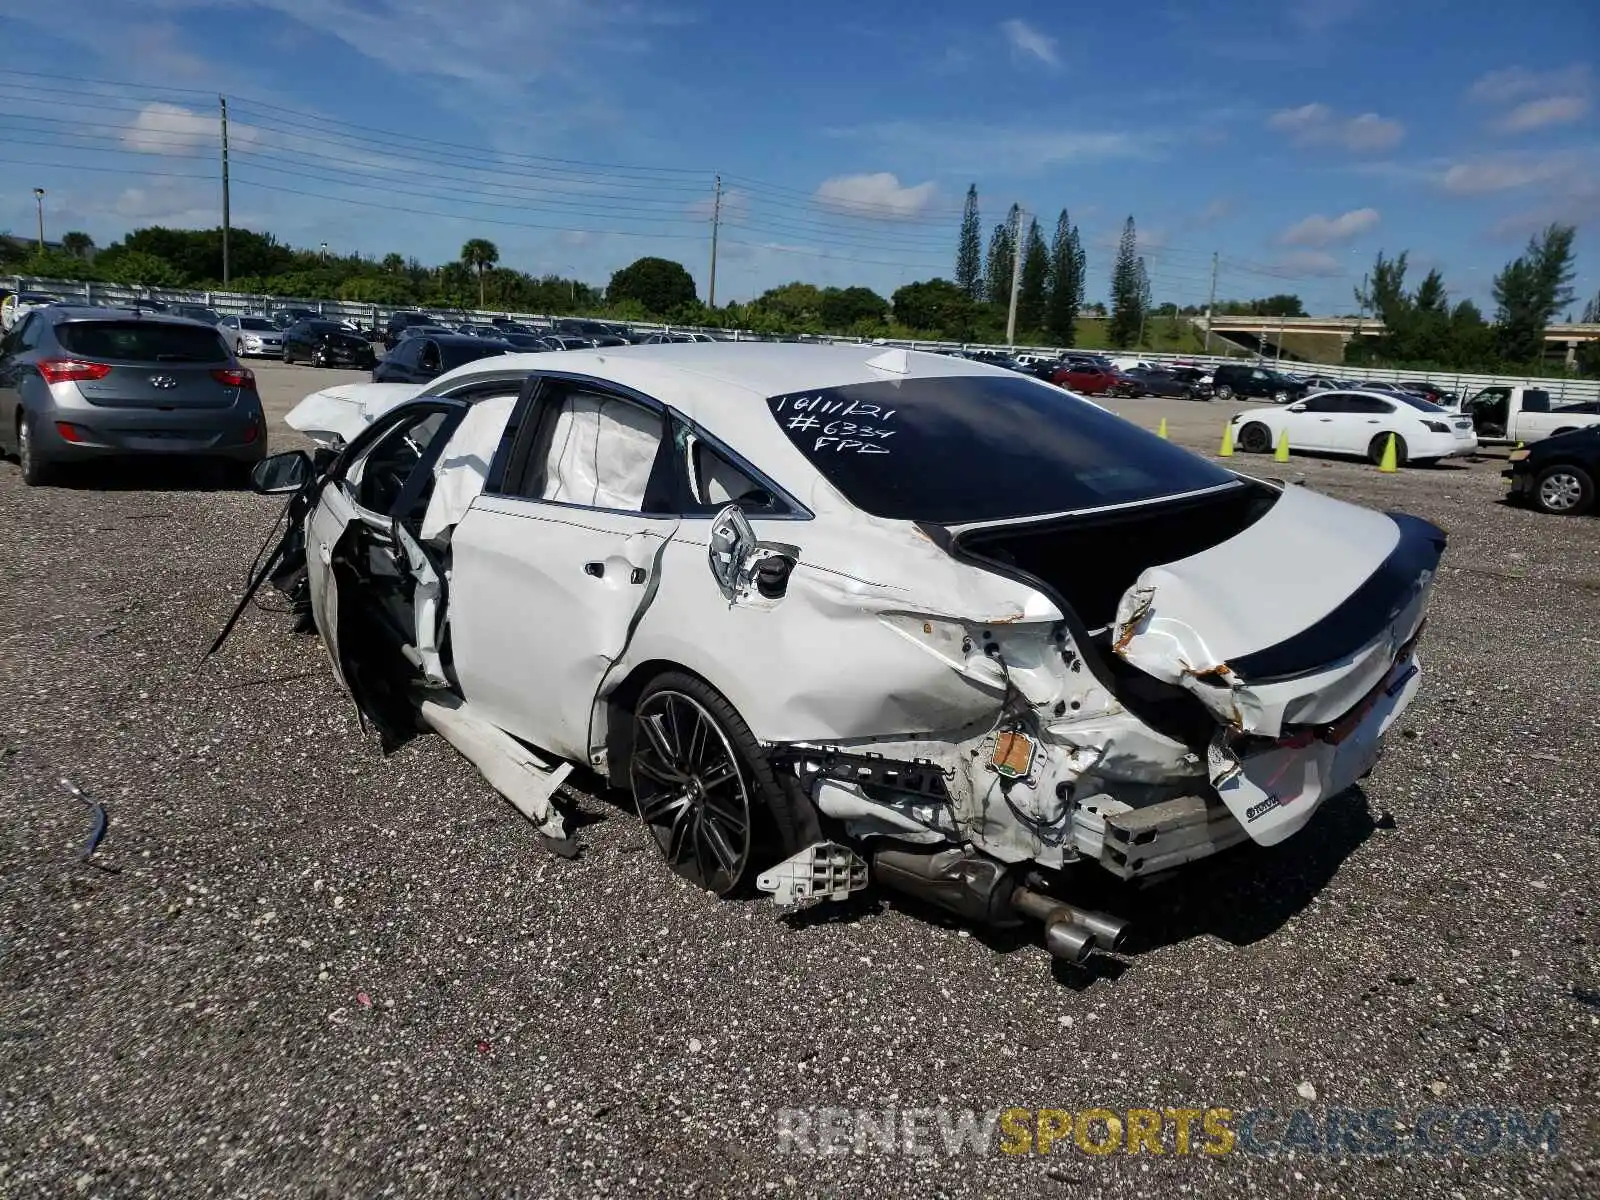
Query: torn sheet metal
column 336, row 414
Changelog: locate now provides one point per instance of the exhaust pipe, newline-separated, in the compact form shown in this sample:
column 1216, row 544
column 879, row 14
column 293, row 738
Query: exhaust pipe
column 1070, row 933
column 987, row 892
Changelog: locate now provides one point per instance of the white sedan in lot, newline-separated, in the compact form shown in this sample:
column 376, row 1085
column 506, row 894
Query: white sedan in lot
column 1360, row 423
column 839, row 612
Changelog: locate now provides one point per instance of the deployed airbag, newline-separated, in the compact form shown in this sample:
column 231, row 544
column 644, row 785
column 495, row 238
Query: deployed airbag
column 460, row 473
column 592, row 430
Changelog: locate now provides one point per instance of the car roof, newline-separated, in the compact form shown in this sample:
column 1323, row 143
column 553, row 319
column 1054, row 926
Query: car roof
column 84, row 312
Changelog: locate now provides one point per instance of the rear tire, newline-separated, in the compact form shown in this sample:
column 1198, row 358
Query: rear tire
column 1564, row 491
column 1376, row 447
column 36, row 472
column 1280, row 397
column 1224, row 393
column 1255, row 438
column 703, row 786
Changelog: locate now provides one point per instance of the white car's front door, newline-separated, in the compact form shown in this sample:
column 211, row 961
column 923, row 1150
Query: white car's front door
column 552, row 571
column 1311, row 422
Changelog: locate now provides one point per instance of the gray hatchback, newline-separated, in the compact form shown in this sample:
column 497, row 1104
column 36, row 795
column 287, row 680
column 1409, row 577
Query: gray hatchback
column 88, row 383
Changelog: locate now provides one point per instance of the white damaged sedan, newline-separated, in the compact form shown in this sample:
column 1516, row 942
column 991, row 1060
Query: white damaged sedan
column 842, row 613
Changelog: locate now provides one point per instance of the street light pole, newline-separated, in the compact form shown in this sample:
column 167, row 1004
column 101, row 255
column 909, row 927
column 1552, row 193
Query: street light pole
column 38, row 202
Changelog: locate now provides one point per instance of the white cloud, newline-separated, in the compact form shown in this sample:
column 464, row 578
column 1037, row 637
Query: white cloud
column 1318, row 125
column 1318, row 230
column 1515, row 83
column 1536, row 114
column 1538, row 98
column 1027, row 41
column 879, row 195
column 171, row 129
column 1485, row 175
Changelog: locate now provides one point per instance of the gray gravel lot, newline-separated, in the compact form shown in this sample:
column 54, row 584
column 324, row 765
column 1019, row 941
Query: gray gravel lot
column 319, row 972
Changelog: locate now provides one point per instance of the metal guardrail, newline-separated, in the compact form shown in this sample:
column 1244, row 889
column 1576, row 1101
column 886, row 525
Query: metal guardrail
column 1563, row 390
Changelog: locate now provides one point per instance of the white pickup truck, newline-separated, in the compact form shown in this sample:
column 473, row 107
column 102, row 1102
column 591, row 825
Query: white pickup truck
column 1523, row 414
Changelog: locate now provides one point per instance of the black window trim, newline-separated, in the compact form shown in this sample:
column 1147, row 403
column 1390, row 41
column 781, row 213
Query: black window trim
column 338, row 471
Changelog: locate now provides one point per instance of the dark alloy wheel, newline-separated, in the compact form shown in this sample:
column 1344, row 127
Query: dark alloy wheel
column 702, row 786
column 1255, row 438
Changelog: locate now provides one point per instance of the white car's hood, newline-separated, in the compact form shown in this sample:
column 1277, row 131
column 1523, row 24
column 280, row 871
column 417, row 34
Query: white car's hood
column 1292, row 620
column 336, row 414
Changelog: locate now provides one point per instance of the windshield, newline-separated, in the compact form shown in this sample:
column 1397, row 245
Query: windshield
column 142, row 341
column 256, row 323
column 980, row 448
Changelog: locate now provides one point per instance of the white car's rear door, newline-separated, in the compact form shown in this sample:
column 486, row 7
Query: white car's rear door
column 1365, row 417
column 557, row 559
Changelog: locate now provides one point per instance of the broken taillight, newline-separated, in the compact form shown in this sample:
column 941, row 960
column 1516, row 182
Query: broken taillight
column 239, row 377
column 71, row 370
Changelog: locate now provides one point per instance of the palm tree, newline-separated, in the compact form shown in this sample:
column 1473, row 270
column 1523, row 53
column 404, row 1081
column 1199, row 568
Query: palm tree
column 480, row 254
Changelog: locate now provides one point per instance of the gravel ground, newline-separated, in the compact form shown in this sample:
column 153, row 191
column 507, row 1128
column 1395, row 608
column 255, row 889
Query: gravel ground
column 303, row 969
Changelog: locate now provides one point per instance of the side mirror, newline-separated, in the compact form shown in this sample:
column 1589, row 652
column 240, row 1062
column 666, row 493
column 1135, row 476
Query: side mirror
column 280, row 473
column 1297, row 408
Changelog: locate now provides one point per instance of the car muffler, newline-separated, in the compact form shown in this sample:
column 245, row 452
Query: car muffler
column 986, row 891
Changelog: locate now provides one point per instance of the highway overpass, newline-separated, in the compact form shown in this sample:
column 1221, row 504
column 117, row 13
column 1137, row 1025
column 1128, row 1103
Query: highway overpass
column 1301, row 337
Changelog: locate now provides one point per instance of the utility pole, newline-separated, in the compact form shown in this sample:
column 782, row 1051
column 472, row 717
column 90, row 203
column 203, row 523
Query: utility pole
column 1016, row 279
column 1211, row 303
column 38, row 203
column 223, row 101
column 716, row 221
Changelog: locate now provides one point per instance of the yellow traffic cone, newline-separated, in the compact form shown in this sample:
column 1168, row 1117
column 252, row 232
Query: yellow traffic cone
column 1227, row 442
column 1389, row 461
column 1161, row 430
column 1281, row 454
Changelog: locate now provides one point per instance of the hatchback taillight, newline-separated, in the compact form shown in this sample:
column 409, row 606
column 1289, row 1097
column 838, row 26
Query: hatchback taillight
column 71, row 370
column 239, row 377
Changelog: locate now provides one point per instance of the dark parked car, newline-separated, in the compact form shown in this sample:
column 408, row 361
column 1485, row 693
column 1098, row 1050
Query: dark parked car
column 1558, row 474
column 531, row 342
column 395, row 328
column 195, row 312
column 579, row 327
column 1433, row 394
column 327, row 344
column 1255, row 383
column 286, row 317
column 419, row 359
column 87, row 383
column 1148, row 381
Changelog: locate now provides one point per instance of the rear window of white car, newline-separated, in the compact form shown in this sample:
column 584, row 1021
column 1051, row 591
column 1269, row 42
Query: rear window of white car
column 141, row 341
column 981, row 448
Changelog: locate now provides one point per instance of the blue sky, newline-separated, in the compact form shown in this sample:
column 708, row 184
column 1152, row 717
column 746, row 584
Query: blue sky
column 1295, row 139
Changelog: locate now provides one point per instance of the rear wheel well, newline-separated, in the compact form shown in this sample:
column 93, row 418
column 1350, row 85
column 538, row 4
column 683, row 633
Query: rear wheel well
column 619, row 702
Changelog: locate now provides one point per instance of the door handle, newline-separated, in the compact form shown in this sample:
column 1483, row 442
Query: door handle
column 637, row 575
column 596, row 569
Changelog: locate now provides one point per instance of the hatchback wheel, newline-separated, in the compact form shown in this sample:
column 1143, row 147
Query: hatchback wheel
column 1280, row 397
column 1224, row 392
column 1565, row 491
column 36, row 472
column 287, row 357
column 703, row 787
column 1255, row 438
